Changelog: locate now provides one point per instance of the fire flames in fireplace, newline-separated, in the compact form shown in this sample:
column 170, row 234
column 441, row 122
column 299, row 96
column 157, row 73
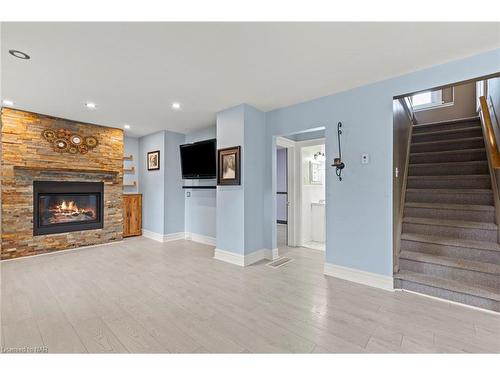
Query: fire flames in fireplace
column 69, row 211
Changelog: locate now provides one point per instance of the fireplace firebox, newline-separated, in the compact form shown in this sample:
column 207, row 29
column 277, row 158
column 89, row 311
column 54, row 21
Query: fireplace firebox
column 61, row 206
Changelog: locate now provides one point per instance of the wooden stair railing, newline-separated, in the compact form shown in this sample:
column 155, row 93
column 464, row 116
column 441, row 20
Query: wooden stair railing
column 489, row 133
column 493, row 155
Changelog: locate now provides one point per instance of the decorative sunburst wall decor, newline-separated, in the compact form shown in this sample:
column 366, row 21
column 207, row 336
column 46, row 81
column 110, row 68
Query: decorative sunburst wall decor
column 63, row 140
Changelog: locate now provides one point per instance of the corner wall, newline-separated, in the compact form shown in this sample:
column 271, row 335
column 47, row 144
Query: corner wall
column 240, row 209
column 162, row 195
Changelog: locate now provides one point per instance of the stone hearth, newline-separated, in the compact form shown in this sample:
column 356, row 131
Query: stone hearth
column 27, row 157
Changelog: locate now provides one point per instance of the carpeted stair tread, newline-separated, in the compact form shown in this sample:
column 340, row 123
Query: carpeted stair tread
column 452, row 285
column 447, row 131
column 464, row 264
column 451, row 241
column 450, row 164
column 451, row 176
column 450, row 191
column 448, row 152
column 451, row 223
column 455, row 140
column 451, row 206
column 445, row 122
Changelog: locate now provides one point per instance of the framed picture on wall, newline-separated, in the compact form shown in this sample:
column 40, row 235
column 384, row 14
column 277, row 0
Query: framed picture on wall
column 228, row 166
column 153, row 160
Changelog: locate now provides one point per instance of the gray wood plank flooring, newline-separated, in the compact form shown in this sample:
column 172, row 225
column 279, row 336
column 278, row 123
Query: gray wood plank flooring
column 141, row 296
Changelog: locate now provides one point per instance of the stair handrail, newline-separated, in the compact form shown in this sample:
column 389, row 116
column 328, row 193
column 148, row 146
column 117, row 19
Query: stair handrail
column 491, row 140
column 493, row 156
column 408, row 106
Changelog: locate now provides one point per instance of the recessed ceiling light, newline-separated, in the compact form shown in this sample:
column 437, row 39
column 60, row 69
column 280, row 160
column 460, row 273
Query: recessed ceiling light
column 90, row 105
column 126, row 126
column 19, row 54
column 176, row 105
column 8, row 103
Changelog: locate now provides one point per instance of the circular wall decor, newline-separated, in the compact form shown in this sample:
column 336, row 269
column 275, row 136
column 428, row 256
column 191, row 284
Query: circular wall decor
column 63, row 140
column 49, row 134
column 83, row 149
column 91, row 141
column 76, row 139
column 61, row 145
column 63, row 133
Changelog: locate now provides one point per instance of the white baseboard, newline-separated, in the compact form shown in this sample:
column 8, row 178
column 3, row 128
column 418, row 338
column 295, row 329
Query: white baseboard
column 152, row 235
column 229, row 257
column 245, row 260
column 173, row 236
column 361, row 277
column 274, row 254
column 163, row 237
column 195, row 237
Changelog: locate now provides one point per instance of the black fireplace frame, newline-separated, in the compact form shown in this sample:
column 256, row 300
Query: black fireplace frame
column 73, row 188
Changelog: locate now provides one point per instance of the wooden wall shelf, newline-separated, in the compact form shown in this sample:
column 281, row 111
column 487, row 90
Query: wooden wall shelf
column 134, row 184
column 129, row 170
column 128, row 157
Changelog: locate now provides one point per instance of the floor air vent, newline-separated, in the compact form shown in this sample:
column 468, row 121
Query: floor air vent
column 279, row 262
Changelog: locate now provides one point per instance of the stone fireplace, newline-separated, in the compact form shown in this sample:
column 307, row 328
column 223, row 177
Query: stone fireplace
column 53, row 201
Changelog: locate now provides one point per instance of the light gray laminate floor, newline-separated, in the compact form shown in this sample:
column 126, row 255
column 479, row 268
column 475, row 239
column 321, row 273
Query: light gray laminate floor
column 145, row 296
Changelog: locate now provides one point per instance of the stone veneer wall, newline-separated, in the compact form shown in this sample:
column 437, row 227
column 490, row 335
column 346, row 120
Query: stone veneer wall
column 26, row 157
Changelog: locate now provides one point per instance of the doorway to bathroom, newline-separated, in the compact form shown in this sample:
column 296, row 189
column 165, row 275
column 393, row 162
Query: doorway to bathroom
column 300, row 190
column 312, row 187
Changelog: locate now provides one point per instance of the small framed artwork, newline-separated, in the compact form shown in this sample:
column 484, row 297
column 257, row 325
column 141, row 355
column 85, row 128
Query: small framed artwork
column 153, row 160
column 228, row 166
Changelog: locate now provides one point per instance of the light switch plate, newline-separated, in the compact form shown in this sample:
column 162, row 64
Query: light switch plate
column 188, row 194
column 365, row 158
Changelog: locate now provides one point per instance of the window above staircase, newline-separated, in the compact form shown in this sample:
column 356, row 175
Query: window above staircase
column 432, row 99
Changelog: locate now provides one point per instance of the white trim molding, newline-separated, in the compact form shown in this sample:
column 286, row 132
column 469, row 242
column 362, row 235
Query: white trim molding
column 274, row 254
column 163, row 237
column 152, row 235
column 201, row 238
column 245, row 260
column 361, row 277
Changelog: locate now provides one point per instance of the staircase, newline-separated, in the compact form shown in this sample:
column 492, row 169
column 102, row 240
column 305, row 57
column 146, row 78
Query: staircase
column 449, row 241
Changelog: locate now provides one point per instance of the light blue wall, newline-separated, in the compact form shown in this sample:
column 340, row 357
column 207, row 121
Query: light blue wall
column 152, row 183
column 162, row 195
column 174, row 195
column 240, row 209
column 230, row 223
column 131, row 147
column 200, row 211
column 359, row 209
column 254, row 176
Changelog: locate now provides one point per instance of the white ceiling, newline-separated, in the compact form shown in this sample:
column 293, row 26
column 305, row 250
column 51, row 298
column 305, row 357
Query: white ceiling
column 134, row 71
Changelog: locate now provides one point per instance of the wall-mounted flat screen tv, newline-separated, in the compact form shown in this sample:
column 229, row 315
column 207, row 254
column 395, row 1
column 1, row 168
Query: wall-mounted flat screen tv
column 198, row 160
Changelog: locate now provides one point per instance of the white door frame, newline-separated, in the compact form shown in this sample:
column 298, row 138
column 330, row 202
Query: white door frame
column 293, row 226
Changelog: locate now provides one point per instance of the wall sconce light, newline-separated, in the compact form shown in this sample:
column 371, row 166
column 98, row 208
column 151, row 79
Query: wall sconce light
column 337, row 162
column 320, row 156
